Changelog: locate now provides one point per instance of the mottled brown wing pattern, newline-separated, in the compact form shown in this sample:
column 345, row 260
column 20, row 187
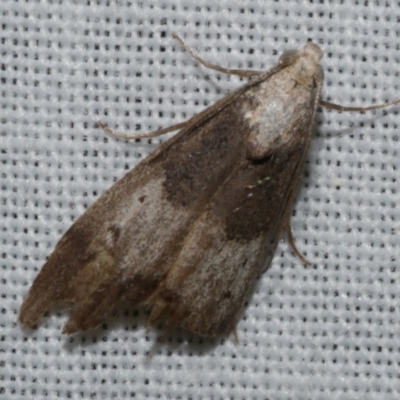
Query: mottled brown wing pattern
column 210, row 281
column 187, row 229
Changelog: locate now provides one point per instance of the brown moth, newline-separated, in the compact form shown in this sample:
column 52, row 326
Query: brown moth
column 187, row 231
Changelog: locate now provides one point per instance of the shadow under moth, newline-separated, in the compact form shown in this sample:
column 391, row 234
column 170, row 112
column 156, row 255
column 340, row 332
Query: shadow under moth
column 187, row 231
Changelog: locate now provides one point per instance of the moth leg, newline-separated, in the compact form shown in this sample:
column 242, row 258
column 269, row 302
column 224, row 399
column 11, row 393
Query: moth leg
column 334, row 106
column 293, row 245
column 235, row 336
column 240, row 72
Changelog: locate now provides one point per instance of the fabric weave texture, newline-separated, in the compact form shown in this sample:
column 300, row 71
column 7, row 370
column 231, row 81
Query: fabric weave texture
column 330, row 331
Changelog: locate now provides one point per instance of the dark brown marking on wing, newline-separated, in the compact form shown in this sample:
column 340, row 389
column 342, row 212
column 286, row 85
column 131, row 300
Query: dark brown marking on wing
column 254, row 200
column 196, row 171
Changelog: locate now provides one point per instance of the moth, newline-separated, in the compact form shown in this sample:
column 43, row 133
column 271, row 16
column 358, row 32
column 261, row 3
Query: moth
column 187, row 231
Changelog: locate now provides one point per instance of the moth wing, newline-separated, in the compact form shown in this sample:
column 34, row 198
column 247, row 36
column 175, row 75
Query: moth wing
column 236, row 234
column 135, row 239
column 122, row 246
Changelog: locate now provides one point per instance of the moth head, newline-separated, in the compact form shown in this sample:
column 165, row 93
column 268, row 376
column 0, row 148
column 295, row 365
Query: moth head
column 312, row 51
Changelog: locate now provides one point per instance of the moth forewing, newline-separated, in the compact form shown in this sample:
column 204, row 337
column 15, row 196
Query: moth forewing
column 188, row 229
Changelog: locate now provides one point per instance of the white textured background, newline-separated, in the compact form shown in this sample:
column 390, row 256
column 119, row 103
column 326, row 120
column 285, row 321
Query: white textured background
column 325, row 332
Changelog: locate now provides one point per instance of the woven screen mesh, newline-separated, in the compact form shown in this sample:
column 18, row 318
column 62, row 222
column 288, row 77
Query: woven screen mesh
column 330, row 331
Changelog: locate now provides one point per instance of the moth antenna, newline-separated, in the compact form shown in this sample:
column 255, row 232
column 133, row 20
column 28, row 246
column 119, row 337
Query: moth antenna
column 334, row 106
column 246, row 73
column 184, row 124
column 293, row 246
column 147, row 135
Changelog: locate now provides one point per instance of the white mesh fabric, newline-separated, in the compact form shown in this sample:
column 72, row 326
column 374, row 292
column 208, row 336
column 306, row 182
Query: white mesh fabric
column 330, row 331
